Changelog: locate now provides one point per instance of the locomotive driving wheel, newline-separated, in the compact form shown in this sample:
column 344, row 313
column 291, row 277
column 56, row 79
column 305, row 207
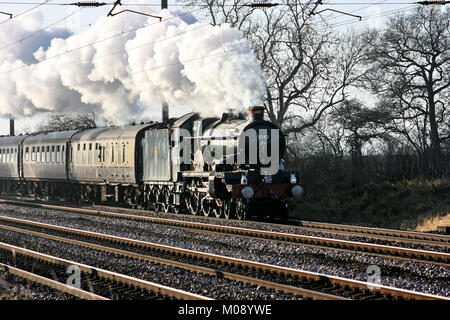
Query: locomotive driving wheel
column 192, row 203
column 241, row 210
column 218, row 208
column 206, row 206
column 157, row 202
column 165, row 193
column 226, row 209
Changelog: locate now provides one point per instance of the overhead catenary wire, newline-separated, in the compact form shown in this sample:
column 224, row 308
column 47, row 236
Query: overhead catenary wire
column 97, row 42
column 371, row 17
column 6, row 14
column 145, row 26
column 95, row 4
column 26, row 11
column 40, row 30
column 119, row 3
column 148, row 25
column 173, row 64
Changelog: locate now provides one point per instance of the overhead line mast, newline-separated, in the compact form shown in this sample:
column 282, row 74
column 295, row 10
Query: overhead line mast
column 165, row 105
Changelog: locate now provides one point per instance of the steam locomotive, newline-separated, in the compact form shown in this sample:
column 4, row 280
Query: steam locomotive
column 224, row 167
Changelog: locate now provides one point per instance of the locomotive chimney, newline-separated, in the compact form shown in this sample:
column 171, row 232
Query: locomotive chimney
column 165, row 112
column 11, row 126
column 256, row 113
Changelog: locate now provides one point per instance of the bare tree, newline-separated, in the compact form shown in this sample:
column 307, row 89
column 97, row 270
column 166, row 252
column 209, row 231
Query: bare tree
column 307, row 68
column 63, row 122
column 361, row 124
column 411, row 74
column 217, row 12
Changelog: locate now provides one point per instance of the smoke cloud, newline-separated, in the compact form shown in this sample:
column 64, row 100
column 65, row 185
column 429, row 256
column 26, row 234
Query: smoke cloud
column 191, row 65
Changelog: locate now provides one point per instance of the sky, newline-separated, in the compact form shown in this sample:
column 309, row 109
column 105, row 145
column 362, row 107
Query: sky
column 70, row 19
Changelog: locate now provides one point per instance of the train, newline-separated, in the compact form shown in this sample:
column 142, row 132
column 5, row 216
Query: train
column 228, row 167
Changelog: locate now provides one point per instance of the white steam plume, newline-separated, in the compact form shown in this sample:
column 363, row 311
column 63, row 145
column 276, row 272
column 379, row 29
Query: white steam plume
column 190, row 65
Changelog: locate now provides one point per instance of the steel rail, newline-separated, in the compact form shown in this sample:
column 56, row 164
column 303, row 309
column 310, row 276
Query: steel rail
column 50, row 283
column 305, row 293
column 402, row 236
column 381, row 233
column 103, row 274
column 399, row 253
column 261, row 268
column 413, row 237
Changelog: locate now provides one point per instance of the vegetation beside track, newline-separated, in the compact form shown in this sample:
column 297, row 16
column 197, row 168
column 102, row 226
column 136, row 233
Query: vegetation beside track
column 407, row 205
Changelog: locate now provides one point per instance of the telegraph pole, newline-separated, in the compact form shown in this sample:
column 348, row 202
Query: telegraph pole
column 165, row 106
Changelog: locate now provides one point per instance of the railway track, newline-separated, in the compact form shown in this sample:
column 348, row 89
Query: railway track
column 96, row 284
column 412, row 237
column 309, row 285
column 29, row 276
column 398, row 236
column 391, row 252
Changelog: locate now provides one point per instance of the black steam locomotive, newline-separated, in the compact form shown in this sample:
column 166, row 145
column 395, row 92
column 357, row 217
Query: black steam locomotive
column 228, row 167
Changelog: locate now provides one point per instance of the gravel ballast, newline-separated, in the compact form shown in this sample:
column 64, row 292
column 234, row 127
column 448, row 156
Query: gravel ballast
column 409, row 275
column 17, row 288
column 213, row 287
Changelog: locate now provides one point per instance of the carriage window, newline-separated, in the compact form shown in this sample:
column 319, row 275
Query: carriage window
column 10, row 155
column 42, row 154
column 47, row 154
column 33, row 154
column 58, row 154
column 90, row 154
column 96, row 154
column 53, row 155
column 83, row 155
column 27, row 155
column 1, row 155
column 63, row 156
column 124, row 152
column 119, row 154
column 78, row 155
column 113, row 150
column 38, row 154
column 105, row 153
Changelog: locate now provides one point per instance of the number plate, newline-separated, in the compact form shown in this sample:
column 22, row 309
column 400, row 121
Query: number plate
column 267, row 179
